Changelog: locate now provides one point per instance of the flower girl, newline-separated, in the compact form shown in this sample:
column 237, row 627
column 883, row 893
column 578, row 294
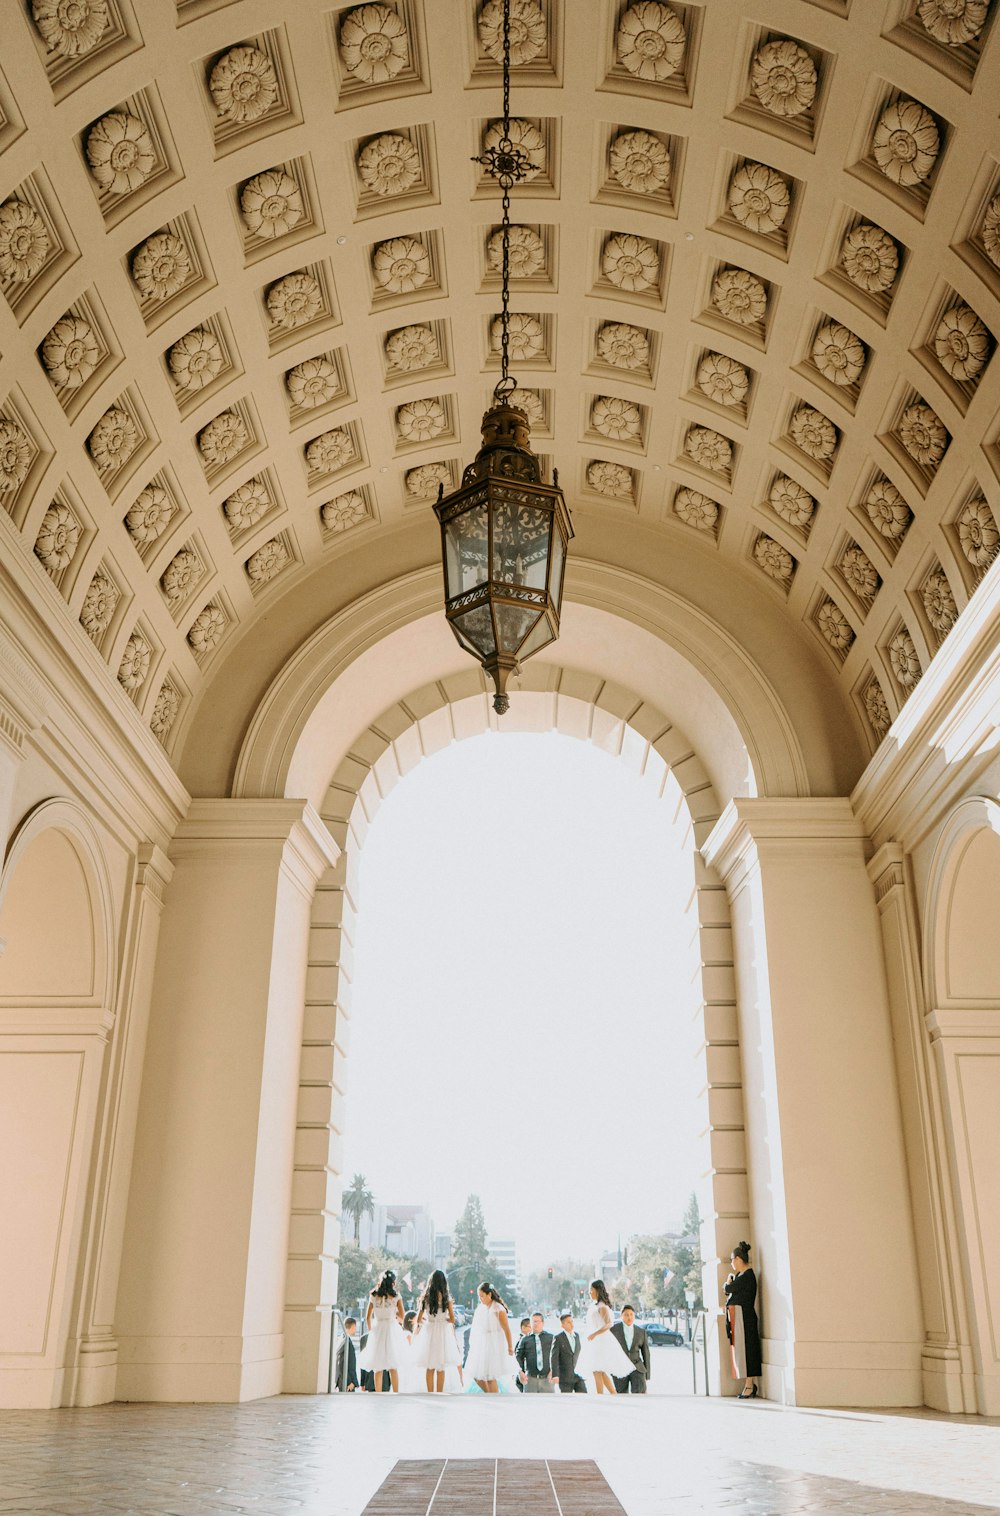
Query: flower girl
column 435, row 1346
column 601, row 1355
column 386, row 1344
column 490, row 1347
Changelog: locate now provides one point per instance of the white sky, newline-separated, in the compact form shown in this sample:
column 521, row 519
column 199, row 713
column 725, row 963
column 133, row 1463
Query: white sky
column 522, row 1001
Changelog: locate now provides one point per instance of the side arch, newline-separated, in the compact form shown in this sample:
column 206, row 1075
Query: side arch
column 581, row 705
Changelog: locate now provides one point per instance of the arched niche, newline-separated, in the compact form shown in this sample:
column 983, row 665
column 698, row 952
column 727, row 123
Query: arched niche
column 963, row 941
column 47, row 926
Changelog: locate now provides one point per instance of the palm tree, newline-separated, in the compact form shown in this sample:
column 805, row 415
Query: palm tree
column 358, row 1201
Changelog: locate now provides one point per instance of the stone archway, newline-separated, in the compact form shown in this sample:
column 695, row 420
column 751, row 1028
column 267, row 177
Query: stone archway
column 552, row 698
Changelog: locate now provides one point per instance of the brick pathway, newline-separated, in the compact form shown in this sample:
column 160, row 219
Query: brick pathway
column 494, row 1487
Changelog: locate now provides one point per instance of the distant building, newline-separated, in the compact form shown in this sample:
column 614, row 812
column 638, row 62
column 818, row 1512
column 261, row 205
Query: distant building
column 607, row 1266
column 504, row 1250
column 407, row 1230
column 442, row 1249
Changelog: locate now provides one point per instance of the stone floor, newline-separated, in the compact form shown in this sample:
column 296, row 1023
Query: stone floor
column 328, row 1456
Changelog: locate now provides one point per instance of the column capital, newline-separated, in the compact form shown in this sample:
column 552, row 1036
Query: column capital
column 887, row 870
column 291, row 830
column 154, row 871
column 751, row 825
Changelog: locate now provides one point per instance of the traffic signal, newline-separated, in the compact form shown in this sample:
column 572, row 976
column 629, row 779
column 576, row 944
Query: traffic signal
column 550, row 1273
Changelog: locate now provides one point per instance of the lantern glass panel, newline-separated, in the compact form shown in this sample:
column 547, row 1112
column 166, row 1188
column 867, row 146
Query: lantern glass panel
column 539, row 636
column 521, row 543
column 514, row 622
column 465, row 551
column 475, row 627
column 556, row 568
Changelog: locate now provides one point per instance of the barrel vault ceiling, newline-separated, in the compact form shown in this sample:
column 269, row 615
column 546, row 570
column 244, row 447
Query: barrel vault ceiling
column 249, row 275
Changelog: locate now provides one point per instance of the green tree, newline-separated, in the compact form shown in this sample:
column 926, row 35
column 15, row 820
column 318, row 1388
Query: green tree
column 358, row 1201
column 354, row 1276
column 470, row 1257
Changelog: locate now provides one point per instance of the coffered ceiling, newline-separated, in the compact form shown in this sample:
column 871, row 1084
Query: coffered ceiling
column 249, row 271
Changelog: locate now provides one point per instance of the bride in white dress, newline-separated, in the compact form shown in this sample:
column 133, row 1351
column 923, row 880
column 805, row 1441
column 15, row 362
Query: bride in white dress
column 491, row 1351
column 601, row 1354
column 386, row 1344
column 435, row 1347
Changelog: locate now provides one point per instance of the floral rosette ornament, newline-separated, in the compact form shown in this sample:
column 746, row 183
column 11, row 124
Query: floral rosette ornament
column 838, row 354
column 99, row 604
column 294, row 300
column 650, row 41
column 165, row 709
column 876, row 709
column 859, row 573
column 739, row 296
column 709, row 449
column 525, row 337
column 160, row 266
column 24, row 242
column 267, row 562
column 526, row 138
column 616, row 419
column 330, row 450
column 640, row 162
column 313, row 383
column 791, row 502
column 207, row 629
column 759, row 198
column 834, row 626
column 196, row 359
column 344, row 511
column 374, row 46
column 114, row 439
column 389, row 164
column 271, row 204
column 71, row 28
column 630, row 263
column 16, row 453
column 181, row 574
column 939, row 602
column 696, row 509
column 223, row 439
column 783, row 77
column 962, row 343
column 903, row 659
column 922, row 433
column 775, row 560
column 610, row 479
column 722, row 379
column 401, row 265
column 246, row 505
column 58, row 537
column 410, row 348
column 530, row 402
column 134, row 666
column 906, row 143
column 426, row 479
column 623, row 346
column 243, row 85
column 887, row 511
column 813, row 433
column 526, row 253
column 526, row 30
column 71, row 352
column 149, row 515
column 870, row 258
column 978, row 534
column 420, row 420
column 990, row 231
column 953, row 22
column 120, row 153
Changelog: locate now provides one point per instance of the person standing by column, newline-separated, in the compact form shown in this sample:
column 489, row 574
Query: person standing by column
column 602, row 1356
column 534, row 1357
column 636, row 1345
column 347, row 1358
column 742, row 1327
column 566, row 1347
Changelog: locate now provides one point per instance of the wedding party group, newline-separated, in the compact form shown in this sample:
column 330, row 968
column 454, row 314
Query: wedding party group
column 615, row 1355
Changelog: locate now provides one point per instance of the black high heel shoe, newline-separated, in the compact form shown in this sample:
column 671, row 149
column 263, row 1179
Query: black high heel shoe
column 751, row 1396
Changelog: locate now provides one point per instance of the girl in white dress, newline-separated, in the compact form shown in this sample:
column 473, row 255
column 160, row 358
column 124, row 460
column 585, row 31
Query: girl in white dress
column 435, row 1346
column 386, row 1344
column 491, row 1351
column 601, row 1354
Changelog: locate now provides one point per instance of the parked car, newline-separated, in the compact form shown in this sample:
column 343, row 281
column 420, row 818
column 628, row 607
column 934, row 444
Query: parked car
column 663, row 1336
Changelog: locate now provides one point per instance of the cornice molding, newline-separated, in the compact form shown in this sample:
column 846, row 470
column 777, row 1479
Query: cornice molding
column 289, row 830
column 750, row 829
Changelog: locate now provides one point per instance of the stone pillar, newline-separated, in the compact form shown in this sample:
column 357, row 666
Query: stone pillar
column 22, row 708
column 839, row 1300
column 201, row 1300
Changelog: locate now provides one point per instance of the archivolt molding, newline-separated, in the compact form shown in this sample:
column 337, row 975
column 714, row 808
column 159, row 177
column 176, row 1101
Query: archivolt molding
column 278, row 734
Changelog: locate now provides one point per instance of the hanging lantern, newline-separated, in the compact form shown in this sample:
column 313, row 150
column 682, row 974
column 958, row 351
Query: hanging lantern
column 503, row 532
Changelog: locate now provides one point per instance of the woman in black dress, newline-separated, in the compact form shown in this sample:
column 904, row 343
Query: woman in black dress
column 741, row 1321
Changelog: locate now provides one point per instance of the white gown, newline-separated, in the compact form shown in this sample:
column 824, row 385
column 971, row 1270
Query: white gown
column 435, row 1346
column 386, row 1345
column 489, row 1357
column 604, row 1355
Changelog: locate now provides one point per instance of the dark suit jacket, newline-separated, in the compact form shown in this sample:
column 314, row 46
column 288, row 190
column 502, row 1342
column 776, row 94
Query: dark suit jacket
column 527, row 1357
column 564, row 1357
column 347, row 1350
column 640, row 1345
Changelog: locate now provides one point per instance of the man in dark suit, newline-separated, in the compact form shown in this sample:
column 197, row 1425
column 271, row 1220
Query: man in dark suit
column 534, row 1359
column 525, row 1331
column 347, row 1358
column 636, row 1344
column 566, row 1347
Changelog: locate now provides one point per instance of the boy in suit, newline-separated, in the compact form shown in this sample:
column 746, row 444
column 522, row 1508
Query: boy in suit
column 565, row 1351
column 347, row 1358
column 636, row 1344
column 534, row 1357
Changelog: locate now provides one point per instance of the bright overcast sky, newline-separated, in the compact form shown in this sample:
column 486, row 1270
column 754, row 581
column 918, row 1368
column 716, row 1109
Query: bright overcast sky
column 522, row 1002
